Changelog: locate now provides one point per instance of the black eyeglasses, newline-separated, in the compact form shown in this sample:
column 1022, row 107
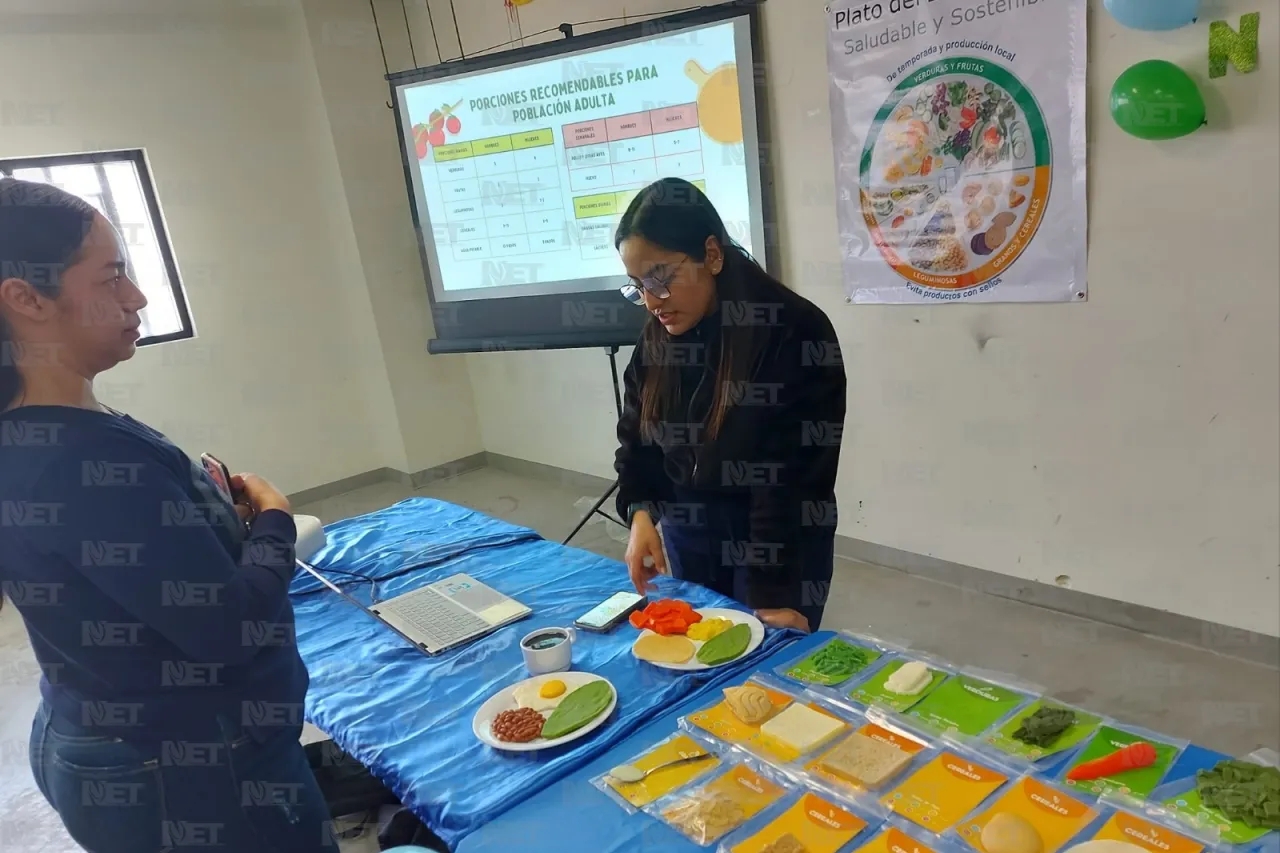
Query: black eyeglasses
column 660, row 287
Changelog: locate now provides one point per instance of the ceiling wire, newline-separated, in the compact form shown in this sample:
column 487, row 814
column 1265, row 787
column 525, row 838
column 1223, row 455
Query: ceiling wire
column 431, row 22
column 378, row 30
column 625, row 18
column 462, row 54
column 413, row 54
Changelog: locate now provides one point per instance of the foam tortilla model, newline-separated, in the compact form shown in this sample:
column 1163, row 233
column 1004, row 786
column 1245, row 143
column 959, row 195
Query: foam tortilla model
column 655, row 648
column 1010, row 833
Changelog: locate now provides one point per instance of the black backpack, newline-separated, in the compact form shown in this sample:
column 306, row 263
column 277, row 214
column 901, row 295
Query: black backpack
column 350, row 789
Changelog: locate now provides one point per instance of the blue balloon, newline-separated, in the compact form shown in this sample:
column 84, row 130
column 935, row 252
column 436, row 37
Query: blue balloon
column 1154, row 14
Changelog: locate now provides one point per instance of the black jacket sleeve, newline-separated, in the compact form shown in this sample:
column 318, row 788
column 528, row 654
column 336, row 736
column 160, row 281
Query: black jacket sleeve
column 638, row 460
column 800, row 450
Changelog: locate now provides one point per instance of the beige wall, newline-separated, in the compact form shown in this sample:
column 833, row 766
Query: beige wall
column 432, row 394
column 286, row 376
column 1129, row 445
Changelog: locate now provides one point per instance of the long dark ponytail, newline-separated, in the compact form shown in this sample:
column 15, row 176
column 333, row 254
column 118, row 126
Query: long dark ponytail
column 41, row 231
column 675, row 215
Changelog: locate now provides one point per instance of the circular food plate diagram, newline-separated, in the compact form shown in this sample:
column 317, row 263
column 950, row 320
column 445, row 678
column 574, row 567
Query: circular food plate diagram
column 955, row 174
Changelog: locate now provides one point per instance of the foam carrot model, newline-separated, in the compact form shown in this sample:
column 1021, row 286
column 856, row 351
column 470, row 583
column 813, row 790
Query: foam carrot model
column 1132, row 757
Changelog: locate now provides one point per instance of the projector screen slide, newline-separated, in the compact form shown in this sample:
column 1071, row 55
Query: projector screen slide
column 520, row 171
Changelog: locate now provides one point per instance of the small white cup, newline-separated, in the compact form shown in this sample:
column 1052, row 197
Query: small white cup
column 548, row 650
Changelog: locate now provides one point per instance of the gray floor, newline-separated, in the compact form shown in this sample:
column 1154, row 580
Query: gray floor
column 1218, row 701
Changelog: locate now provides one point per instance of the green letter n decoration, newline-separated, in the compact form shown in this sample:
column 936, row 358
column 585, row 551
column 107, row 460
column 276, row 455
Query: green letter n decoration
column 1240, row 49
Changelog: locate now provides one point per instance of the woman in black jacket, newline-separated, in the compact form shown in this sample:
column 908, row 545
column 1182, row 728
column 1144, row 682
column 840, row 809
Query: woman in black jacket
column 735, row 404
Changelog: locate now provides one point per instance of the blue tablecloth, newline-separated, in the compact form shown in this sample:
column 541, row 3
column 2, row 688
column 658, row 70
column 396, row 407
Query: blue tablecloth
column 407, row 716
column 573, row 815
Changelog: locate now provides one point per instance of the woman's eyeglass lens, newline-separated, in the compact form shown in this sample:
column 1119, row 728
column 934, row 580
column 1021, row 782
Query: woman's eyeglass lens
column 635, row 292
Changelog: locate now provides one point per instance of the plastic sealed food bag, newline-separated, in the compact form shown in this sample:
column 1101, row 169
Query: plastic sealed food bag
column 1122, row 761
column 969, row 703
column 1043, row 729
column 812, row 823
column 941, row 791
column 900, row 683
column 1236, row 801
column 895, row 839
column 875, row 755
column 1028, row 816
column 670, row 764
column 798, row 730
column 735, row 718
column 1142, row 833
column 837, row 660
column 709, row 811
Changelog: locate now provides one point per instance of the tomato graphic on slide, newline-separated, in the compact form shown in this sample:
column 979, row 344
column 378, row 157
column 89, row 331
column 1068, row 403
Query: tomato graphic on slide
column 432, row 134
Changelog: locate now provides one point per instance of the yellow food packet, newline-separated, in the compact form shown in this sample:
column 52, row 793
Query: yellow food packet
column 640, row 794
column 720, row 721
column 1056, row 816
column 1124, row 826
column 908, row 745
column 893, row 840
column 721, row 805
column 942, row 792
column 817, row 824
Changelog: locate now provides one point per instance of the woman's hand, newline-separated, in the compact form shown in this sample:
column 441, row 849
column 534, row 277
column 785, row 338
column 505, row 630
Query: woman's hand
column 258, row 494
column 784, row 618
column 644, row 543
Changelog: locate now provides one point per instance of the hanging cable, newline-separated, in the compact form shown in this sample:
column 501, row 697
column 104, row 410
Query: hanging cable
column 381, row 46
column 627, row 19
column 413, row 54
column 431, row 22
column 462, row 54
column 386, row 68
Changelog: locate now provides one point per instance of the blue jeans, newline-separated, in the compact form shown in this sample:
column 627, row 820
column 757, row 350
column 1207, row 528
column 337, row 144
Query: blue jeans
column 235, row 794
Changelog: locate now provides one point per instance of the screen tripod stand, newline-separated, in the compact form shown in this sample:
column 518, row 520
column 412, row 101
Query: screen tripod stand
column 595, row 508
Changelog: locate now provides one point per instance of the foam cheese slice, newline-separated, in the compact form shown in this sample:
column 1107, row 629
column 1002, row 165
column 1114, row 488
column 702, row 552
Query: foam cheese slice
column 801, row 728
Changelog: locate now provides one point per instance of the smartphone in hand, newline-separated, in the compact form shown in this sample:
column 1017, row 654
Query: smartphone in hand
column 219, row 474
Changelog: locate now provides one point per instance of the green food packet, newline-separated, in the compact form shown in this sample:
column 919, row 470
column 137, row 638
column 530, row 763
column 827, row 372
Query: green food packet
column 875, row 692
column 578, row 708
column 834, row 663
column 1033, row 748
column 1139, row 782
column 966, row 705
column 1189, row 808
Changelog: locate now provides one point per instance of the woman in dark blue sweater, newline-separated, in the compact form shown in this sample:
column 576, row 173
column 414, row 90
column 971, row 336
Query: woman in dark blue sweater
column 158, row 610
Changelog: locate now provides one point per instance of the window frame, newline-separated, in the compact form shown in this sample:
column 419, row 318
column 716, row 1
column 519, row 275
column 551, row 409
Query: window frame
column 138, row 158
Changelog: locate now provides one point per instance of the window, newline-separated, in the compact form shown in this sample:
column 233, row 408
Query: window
column 118, row 184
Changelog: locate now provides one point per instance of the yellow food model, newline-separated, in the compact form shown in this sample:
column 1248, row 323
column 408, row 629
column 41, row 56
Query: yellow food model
column 708, row 628
column 800, row 728
column 540, row 696
column 656, row 648
column 749, row 703
column 1010, row 833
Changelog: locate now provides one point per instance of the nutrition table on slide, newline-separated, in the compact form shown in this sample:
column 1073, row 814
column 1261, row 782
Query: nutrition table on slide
column 633, row 151
column 504, row 196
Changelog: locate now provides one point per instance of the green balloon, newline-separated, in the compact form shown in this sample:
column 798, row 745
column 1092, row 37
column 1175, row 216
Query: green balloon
column 1157, row 100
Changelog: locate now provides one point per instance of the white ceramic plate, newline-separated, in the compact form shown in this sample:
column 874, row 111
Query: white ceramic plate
column 737, row 617
column 504, row 700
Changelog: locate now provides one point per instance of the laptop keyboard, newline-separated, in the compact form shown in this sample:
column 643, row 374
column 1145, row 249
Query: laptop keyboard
column 437, row 619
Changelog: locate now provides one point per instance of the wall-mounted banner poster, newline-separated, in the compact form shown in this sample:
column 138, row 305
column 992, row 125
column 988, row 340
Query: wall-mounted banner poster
column 959, row 132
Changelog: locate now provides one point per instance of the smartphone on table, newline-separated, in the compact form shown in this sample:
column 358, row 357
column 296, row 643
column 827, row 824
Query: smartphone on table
column 607, row 614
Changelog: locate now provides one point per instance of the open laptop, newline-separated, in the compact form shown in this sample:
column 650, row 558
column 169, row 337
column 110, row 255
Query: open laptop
column 442, row 615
